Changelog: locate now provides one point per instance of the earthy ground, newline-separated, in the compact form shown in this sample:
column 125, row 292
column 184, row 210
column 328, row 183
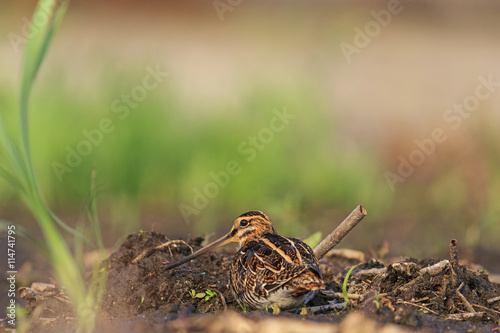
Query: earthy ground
column 407, row 295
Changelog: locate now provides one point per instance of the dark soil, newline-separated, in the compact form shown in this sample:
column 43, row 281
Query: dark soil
column 142, row 296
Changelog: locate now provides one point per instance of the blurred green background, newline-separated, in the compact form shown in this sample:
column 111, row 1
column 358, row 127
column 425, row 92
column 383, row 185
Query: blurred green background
column 353, row 118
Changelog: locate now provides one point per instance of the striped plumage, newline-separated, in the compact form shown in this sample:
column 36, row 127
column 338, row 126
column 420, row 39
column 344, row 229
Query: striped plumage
column 268, row 268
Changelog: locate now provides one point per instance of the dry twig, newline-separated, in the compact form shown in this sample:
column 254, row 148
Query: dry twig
column 371, row 271
column 348, row 254
column 485, row 308
column 417, row 305
column 464, row 300
column 336, row 294
column 465, row 316
column 494, row 299
column 432, row 270
column 436, row 268
column 340, row 232
column 455, row 278
column 148, row 252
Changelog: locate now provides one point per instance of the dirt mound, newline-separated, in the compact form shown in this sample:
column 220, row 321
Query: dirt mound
column 143, row 285
column 432, row 294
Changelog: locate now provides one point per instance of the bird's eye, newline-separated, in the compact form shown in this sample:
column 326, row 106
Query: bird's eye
column 243, row 223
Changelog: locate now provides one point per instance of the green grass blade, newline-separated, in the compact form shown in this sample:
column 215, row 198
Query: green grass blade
column 92, row 212
column 344, row 285
column 12, row 151
column 67, row 271
column 72, row 231
column 35, row 51
column 13, row 180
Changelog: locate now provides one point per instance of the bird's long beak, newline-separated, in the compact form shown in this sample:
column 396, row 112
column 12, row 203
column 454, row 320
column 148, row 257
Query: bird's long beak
column 210, row 247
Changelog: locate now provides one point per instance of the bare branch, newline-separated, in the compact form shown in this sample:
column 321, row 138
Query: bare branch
column 335, row 294
column 494, row 299
column 417, row 305
column 465, row 316
column 464, row 300
column 150, row 251
column 340, row 232
column 455, row 277
column 436, row 268
column 370, row 271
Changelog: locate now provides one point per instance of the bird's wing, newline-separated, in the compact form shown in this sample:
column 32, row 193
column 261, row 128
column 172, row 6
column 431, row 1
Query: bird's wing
column 268, row 263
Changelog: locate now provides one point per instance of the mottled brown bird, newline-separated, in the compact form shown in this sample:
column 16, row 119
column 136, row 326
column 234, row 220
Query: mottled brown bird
column 268, row 268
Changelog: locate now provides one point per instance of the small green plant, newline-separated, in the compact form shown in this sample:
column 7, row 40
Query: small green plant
column 243, row 307
column 142, row 302
column 207, row 295
column 194, row 294
column 377, row 301
column 344, row 287
column 210, row 294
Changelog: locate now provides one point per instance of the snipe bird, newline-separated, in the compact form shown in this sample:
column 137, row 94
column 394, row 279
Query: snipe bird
column 268, row 268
